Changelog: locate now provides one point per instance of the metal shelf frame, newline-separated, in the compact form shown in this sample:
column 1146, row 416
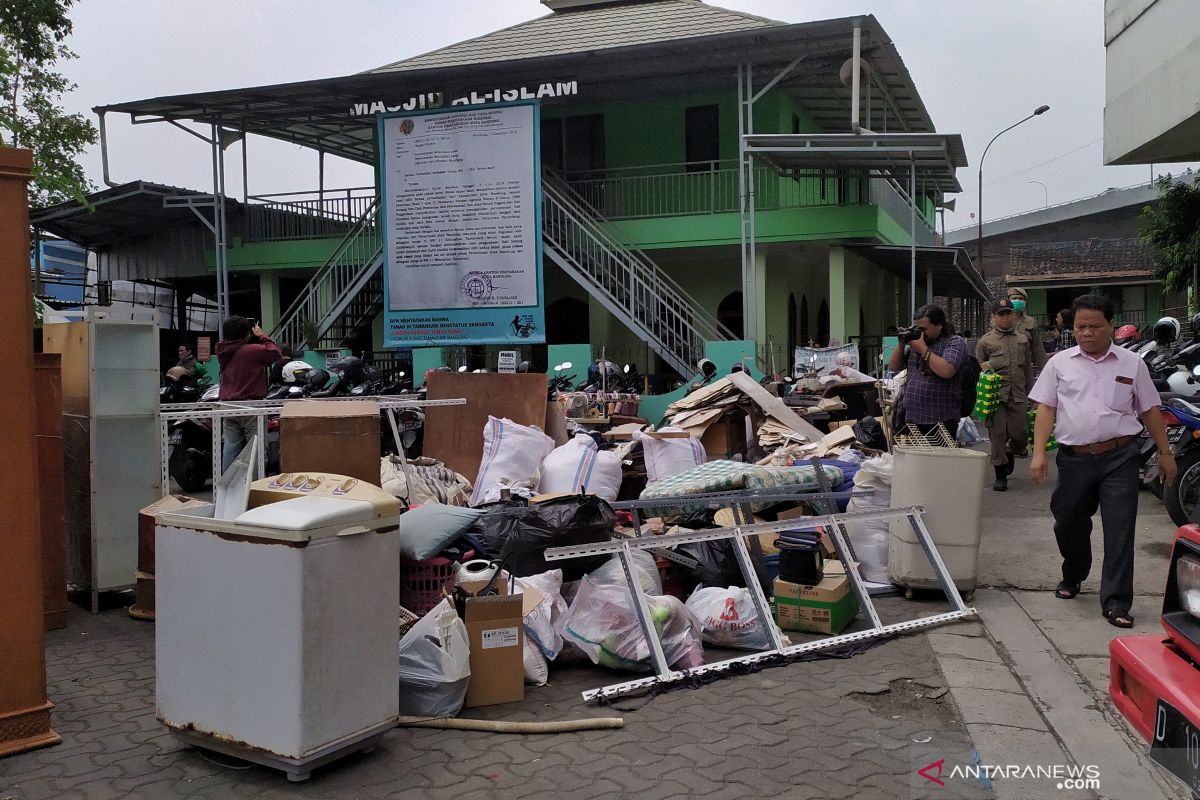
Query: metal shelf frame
column 834, row 525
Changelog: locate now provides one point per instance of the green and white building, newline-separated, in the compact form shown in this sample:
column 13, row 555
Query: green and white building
column 711, row 175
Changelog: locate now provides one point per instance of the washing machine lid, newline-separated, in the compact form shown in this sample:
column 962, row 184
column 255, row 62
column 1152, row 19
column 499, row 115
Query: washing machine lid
column 310, row 517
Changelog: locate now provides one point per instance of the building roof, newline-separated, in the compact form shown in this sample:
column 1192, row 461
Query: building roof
column 953, row 273
column 1089, row 260
column 129, row 211
column 642, row 50
column 587, row 29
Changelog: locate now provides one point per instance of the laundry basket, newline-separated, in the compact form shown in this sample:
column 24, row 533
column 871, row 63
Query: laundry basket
column 423, row 584
column 948, row 482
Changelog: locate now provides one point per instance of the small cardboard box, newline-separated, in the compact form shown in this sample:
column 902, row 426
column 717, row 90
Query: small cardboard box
column 496, row 637
column 341, row 438
column 828, row 607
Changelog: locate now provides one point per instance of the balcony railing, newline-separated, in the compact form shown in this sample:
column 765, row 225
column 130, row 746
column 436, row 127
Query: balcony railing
column 709, row 187
column 304, row 215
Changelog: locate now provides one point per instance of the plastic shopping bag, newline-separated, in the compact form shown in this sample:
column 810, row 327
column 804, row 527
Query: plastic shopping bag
column 435, row 664
column 543, row 625
column 603, row 624
column 728, row 618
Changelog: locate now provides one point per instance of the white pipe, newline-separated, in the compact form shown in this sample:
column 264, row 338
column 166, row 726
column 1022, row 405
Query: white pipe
column 855, row 87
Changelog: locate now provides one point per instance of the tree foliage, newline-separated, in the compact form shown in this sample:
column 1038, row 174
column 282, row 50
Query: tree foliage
column 1172, row 228
column 32, row 44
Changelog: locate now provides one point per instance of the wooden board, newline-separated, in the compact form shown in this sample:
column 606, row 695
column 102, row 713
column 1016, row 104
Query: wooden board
column 454, row 434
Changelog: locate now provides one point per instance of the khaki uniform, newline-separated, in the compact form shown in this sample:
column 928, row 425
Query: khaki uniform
column 1028, row 326
column 1009, row 354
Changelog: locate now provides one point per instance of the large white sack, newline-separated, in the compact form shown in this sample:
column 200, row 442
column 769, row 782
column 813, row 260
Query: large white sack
column 870, row 539
column 667, row 457
column 512, row 454
column 581, row 463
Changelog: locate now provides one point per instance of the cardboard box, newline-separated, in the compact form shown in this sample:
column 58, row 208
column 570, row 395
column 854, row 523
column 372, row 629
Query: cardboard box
column 726, row 436
column 339, row 437
column 828, row 607
column 496, row 636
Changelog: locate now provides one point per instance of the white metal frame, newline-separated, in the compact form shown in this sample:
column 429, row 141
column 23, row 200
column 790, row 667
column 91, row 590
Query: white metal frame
column 833, row 523
column 262, row 409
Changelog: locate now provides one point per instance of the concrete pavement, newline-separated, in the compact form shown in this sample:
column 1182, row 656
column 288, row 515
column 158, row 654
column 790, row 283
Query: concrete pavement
column 1033, row 686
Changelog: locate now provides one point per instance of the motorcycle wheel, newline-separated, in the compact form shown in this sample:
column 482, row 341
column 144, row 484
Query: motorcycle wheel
column 1182, row 498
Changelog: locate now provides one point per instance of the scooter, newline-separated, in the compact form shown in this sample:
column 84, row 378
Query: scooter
column 1182, row 498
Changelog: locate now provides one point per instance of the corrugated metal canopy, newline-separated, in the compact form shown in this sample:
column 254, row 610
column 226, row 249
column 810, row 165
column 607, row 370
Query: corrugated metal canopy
column 953, row 273
column 935, row 156
column 129, row 211
column 626, row 58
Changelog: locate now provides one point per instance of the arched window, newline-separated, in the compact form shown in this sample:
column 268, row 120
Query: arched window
column 567, row 321
column 792, row 324
column 729, row 313
column 823, row 324
column 805, row 330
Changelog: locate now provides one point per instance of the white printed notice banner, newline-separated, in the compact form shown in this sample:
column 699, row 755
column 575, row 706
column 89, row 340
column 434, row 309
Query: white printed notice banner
column 823, row 359
column 462, row 226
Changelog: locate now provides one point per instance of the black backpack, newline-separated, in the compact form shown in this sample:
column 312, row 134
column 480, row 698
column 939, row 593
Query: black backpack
column 968, row 379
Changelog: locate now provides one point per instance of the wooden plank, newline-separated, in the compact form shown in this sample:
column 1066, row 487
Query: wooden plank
column 70, row 339
column 454, row 434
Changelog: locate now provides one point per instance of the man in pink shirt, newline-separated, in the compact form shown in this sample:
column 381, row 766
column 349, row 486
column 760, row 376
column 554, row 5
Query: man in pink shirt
column 1096, row 397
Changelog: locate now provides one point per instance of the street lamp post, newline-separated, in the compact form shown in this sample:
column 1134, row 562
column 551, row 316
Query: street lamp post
column 1037, row 112
column 1045, row 194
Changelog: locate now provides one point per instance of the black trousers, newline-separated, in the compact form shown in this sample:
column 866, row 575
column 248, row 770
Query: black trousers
column 1109, row 482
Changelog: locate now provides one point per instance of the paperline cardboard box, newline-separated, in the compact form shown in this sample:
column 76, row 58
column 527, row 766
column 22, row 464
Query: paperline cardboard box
column 827, row 607
column 324, row 436
column 496, row 638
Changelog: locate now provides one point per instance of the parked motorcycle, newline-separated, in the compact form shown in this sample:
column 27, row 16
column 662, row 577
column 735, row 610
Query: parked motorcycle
column 1182, row 498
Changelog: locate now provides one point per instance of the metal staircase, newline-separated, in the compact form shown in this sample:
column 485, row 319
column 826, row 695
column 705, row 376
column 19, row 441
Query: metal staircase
column 625, row 281
column 344, row 296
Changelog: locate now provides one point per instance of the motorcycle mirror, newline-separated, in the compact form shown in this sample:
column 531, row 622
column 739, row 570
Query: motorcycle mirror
column 567, row 365
column 626, row 370
column 400, row 374
column 463, row 368
column 707, row 367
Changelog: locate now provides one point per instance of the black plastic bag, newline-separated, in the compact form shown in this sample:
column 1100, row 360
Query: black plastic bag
column 522, row 535
column 718, row 566
column 868, row 431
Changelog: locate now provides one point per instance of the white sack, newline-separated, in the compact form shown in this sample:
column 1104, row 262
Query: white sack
column 581, row 463
column 512, row 454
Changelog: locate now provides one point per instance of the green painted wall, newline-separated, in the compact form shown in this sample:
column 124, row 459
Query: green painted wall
column 293, row 254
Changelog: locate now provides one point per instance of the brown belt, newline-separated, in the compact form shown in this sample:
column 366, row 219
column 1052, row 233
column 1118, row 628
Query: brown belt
column 1098, row 448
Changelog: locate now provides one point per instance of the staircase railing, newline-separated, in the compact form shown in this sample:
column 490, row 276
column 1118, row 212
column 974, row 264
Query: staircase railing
column 355, row 260
column 631, row 286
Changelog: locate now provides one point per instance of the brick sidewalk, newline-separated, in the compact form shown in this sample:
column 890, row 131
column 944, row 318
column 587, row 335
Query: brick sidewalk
column 826, row 729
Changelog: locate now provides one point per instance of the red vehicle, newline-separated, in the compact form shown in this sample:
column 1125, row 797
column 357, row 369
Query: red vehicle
column 1155, row 682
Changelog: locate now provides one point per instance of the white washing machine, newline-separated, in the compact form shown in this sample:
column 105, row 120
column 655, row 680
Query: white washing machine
column 276, row 630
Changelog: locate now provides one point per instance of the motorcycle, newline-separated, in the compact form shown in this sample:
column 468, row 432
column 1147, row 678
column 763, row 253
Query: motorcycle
column 1182, row 498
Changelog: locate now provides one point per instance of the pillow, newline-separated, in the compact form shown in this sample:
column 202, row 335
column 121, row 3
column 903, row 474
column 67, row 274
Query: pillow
column 426, row 530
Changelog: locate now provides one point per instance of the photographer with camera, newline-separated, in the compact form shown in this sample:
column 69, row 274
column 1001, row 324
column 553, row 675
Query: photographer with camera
column 933, row 355
column 244, row 353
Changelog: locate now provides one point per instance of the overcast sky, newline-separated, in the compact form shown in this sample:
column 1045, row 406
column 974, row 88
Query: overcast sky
column 979, row 65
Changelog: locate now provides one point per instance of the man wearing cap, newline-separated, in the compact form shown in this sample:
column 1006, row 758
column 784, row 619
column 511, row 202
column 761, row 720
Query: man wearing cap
column 1096, row 397
column 1006, row 351
column 1028, row 326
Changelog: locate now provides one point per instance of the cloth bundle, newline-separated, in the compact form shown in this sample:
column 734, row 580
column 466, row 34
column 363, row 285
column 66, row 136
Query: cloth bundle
column 987, row 395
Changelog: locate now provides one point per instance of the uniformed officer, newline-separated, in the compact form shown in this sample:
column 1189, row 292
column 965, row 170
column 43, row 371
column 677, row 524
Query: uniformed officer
column 1028, row 326
column 1007, row 351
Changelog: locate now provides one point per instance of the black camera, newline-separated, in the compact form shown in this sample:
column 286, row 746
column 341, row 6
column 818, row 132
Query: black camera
column 907, row 335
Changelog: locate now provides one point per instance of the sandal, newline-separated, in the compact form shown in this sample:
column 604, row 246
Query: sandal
column 1119, row 618
column 1066, row 591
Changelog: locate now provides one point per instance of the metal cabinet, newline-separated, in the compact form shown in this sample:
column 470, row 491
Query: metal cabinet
column 111, row 440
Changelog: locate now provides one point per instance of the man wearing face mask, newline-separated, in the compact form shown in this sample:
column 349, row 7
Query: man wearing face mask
column 1028, row 326
column 1006, row 351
